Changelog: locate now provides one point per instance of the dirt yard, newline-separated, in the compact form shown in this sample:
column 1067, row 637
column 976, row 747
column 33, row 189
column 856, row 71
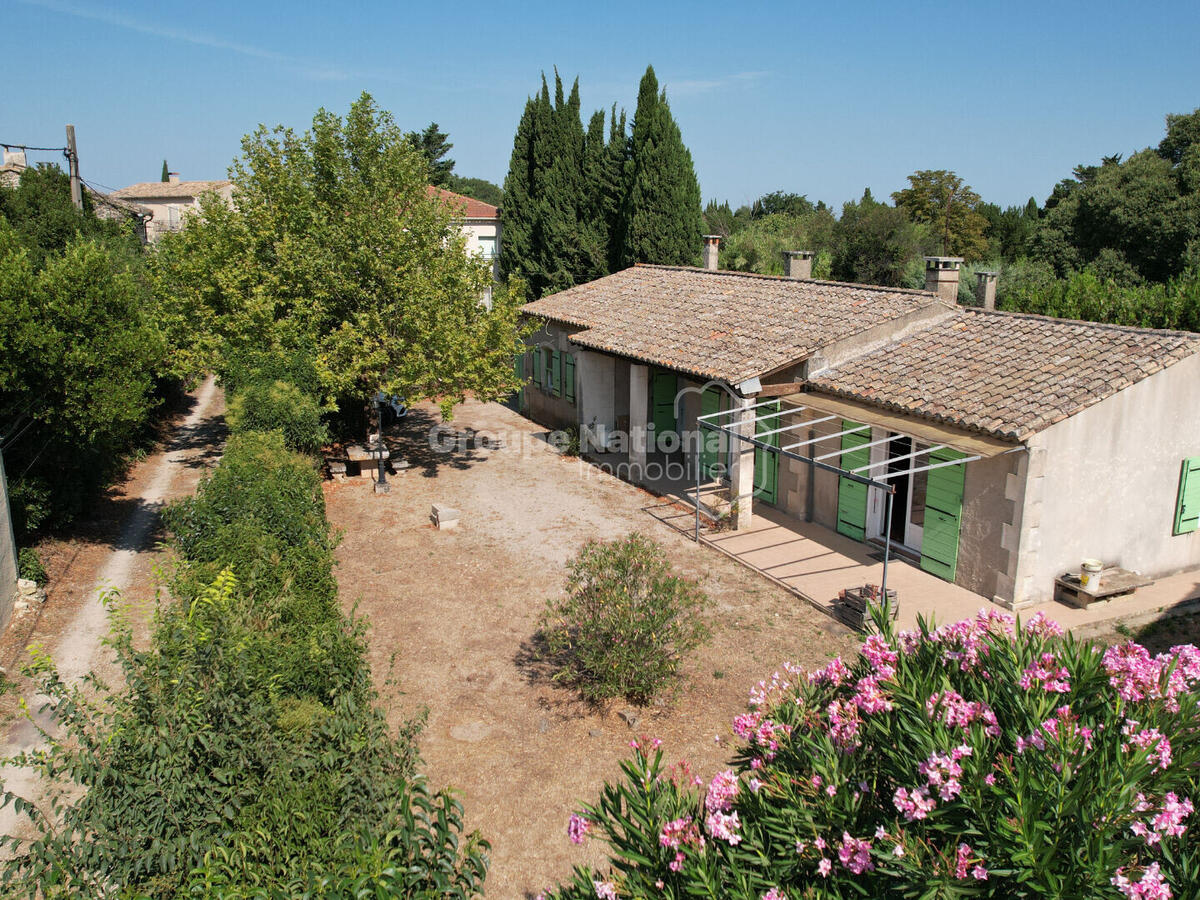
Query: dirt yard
column 452, row 614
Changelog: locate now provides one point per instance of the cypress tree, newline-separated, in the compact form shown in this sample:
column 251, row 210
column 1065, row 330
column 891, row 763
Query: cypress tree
column 517, row 245
column 561, row 197
column 166, row 176
column 662, row 217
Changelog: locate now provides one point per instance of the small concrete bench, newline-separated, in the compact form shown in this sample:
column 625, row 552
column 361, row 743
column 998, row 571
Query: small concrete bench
column 337, row 469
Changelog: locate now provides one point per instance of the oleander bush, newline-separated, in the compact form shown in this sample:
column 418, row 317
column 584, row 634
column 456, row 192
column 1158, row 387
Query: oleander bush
column 279, row 406
column 986, row 758
column 242, row 754
column 625, row 622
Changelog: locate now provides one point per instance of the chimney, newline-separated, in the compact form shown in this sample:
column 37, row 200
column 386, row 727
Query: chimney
column 941, row 276
column 15, row 158
column 985, row 288
column 798, row 263
column 173, row 177
column 712, row 244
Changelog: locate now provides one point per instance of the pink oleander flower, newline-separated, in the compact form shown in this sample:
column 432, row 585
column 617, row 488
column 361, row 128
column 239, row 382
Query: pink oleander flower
column 1167, row 822
column 578, row 828
column 956, row 712
column 961, row 859
column 843, row 725
column 1160, row 746
column 869, row 698
column 855, row 854
column 1150, row 886
column 605, row 890
column 721, row 791
column 680, row 832
column 774, row 894
column 1132, row 671
column 942, row 773
column 1048, row 674
column 979, row 873
column 833, row 674
column 913, row 805
column 880, row 655
column 1041, row 625
column 824, row 867
column 724, row 827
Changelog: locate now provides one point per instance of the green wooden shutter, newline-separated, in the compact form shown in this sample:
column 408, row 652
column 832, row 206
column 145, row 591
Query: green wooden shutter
column 1187, row 510
column 710, row 441
column 556, row 372
column 568, row 362
column 766, row 463
column 943, row 514
column 537, row 366
column 852, row 495
column 664, row 387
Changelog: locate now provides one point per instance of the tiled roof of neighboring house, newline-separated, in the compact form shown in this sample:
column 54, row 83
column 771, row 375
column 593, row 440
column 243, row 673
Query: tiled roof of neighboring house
column 126, row 207
column 468, row 207
column 726, row 325
column 1005, row 374
column 168, row 190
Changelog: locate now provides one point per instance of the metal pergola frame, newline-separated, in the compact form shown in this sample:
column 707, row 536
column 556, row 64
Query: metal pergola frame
column 709, row 422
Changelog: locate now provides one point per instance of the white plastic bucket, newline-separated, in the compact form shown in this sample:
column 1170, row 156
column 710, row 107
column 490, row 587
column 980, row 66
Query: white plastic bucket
column 1089, row 575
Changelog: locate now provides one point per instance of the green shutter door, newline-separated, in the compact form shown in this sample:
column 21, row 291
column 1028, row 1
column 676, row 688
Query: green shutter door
column 663, row 391
column 852, row 495
column 1187, row 511
column 766, row 463
column 568, row 362
column 536, row 356
column 710, row 447
column 519, row 371
column 556, row 370
column 943, row 514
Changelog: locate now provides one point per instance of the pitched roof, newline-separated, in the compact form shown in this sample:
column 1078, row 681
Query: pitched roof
column 468, row 207
column 1006, row 374
column 726, row 325
column 167, row 190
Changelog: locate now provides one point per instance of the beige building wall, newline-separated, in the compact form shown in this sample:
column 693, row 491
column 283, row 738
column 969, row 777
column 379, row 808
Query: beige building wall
column 170, row 213
column 1104, row 484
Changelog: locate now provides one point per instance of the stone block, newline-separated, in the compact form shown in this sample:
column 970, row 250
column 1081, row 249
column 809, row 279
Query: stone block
column 444, row 517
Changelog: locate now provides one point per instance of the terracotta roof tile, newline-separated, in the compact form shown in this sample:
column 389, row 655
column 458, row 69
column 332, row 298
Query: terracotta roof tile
column 1005, row 374
column 167, row 190
column 467, row 207
column 725, row 325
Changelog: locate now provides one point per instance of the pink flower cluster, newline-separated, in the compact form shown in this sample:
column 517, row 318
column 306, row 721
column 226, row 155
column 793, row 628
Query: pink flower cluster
column 843, row 724
column 942, row 772
column 1167, row 822
column 676, row 835
column 869, row 698
column 855, row 854
column 1150, row 886
column 754, row 728
column 768, row 692
column 578, row 828
column 1046, row 672
column 833, row 674
column 1160, row 752
column 879, row 653
column 959, row 713
column 1137, row 675
column 774, row 894
column 605, row 890
column 963, row 859
column 720, row 822
column 916, row 804
column 1063, row 726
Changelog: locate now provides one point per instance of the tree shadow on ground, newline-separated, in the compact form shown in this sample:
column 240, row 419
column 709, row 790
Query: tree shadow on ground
column 428, row 444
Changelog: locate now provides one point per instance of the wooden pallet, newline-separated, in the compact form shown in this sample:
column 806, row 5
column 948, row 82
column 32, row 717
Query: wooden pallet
column 1114, row 582
column 850, row 607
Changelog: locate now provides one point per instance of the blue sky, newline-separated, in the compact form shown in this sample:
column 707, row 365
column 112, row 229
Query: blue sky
column 822, row 99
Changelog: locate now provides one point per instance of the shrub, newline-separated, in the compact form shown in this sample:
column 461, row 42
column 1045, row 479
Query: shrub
column 985, row 758
column 279, row 406
column 626, row 621
column 242, row 754
column 29, row 565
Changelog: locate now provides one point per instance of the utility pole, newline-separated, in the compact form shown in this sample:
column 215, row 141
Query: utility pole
column 73, row 158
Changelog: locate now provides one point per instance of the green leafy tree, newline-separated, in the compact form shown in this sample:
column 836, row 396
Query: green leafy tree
column 759, row 246
column 478, row 188
column 1183, row 133
column 662, row 213
column 780, row 202
column 334, row 253
column 944, row 202
column 434, row 145
column 875, row 243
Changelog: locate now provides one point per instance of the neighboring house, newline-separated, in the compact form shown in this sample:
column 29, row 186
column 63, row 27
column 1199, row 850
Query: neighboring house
column 171, row 201
column 1018, row 445
column 480, row 222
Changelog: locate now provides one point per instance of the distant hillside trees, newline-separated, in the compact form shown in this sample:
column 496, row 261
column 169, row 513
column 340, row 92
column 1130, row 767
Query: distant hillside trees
column 581, row 203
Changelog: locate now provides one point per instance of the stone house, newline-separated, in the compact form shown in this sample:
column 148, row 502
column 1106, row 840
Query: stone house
column 1017, row 445
column 170, row 202
column 480, row 223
